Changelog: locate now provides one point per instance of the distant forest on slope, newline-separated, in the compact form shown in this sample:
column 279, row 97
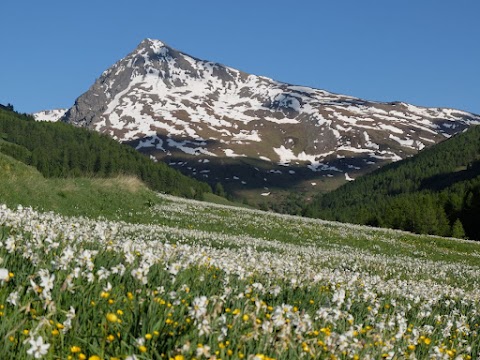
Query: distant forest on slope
column 62, row 150
column 435, row 192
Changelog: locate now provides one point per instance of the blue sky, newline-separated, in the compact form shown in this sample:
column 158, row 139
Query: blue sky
column 426, row 52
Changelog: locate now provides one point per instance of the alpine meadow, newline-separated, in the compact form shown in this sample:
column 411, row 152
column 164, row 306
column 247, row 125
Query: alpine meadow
column 102, row 267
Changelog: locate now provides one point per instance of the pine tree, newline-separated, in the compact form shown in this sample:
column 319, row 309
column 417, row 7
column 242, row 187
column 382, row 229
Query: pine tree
column 457, row 229
column 219, row 190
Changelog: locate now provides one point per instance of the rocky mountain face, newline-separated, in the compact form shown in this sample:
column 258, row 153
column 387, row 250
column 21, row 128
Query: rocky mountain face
column 251, row 132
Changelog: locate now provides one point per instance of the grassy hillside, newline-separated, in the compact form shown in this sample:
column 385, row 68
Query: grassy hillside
column 202, row 280
column 117, row 198
column 59, row 150
column 21, row 184
column 436, row 192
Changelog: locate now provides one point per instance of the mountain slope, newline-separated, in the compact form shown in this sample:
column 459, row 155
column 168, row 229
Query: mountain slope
column 436, row 191
column 245, row 131
column 61, row 150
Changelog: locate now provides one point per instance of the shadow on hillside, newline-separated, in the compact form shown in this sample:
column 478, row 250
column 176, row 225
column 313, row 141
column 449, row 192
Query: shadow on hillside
column 442, row 181
column 245, row 173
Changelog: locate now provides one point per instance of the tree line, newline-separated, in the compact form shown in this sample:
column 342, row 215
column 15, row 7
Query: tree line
column 62, row 150
column 435, row 192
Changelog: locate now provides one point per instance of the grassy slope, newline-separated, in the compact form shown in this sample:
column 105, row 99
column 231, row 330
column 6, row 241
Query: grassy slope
column 24, row 185
column 119, row 198
column 226, row 237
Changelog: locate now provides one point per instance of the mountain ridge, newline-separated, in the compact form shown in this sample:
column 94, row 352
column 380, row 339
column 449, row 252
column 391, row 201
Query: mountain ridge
column 197, row 115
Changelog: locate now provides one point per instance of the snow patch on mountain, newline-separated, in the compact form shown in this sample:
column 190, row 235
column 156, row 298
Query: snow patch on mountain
column 348, row 178
column 230, row 153
column 49, row 115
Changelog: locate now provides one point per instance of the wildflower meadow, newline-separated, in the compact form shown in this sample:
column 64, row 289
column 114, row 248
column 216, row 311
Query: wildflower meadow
column 203, row 281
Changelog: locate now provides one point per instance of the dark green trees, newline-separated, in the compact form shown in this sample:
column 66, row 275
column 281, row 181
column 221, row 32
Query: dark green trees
column 434, row 192
column 62, row 150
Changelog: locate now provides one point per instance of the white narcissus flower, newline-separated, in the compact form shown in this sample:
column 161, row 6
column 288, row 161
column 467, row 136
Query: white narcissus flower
column 70, row 316
column 13, row 298
column 108, row 288
column 199, row 307
column 38, row 347
column 10, row 245
column 46, row 280
column 4, row 275
column 203, row 351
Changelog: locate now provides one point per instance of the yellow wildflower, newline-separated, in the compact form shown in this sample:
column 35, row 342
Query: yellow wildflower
column 112, row 317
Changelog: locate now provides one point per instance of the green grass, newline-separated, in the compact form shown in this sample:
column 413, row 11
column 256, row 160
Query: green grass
column 116, row 198
column 215, row 199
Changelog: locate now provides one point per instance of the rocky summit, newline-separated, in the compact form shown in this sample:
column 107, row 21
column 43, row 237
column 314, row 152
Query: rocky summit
column 245, row 131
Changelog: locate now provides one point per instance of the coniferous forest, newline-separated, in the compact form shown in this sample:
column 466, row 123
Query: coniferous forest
column 62, row 150
column 435, row 192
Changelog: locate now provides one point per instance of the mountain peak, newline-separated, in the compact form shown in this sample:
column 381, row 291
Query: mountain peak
column 175, row 107
column 153, row 44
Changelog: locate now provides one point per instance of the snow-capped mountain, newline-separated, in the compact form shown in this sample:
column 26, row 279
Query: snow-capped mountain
column 221, row 124
column 49, row 115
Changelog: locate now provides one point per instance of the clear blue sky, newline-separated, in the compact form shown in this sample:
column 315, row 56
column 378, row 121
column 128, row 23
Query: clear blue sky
column 426, row 52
